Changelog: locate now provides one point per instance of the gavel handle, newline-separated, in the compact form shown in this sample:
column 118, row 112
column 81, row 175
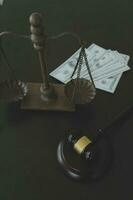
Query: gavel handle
column 103, row 132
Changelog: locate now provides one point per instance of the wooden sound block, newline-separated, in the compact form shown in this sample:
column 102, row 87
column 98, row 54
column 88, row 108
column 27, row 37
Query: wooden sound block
column 33, row 99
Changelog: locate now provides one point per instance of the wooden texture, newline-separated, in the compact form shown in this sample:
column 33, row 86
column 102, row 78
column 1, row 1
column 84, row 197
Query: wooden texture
column 33, row 100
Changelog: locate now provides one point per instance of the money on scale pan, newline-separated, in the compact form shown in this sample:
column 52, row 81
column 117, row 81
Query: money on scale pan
column 107, row 67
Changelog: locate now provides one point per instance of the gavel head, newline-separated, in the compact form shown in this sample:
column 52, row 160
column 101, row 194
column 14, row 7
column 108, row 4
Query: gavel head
column 78, row 141
column 82, row 160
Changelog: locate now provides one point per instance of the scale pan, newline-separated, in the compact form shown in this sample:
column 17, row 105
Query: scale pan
column 80, row 91
column 12, row 90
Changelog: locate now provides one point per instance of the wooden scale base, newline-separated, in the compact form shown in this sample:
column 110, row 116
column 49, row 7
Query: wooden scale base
column 33, row 99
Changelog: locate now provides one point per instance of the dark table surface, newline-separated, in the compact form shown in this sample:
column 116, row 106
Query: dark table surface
column 29, row 139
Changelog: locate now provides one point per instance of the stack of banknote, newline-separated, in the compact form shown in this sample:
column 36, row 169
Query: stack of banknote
column 106, row 66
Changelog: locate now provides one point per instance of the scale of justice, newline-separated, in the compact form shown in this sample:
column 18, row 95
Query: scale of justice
column 80, row 157
column 48, row 96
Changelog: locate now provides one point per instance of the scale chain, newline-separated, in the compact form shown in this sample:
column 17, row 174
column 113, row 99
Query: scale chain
column 79, row 63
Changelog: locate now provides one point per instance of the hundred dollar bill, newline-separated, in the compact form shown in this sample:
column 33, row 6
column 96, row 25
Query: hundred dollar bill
column 106, row 67
column 108, row 84
column 107, row 72
column 64, row 71
column 110, row 62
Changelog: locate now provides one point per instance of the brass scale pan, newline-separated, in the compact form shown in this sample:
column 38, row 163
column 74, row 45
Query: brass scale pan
column 11, row 90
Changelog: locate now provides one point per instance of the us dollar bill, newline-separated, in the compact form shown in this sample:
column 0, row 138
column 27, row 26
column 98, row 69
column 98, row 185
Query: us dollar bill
column 108, row 84
column 106, row 67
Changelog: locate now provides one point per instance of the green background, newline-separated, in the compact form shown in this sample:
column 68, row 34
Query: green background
column 28, row 140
